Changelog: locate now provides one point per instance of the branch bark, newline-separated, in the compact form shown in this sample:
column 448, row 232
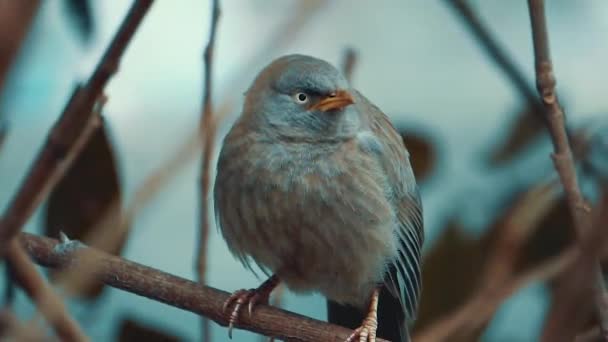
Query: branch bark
column 179, row 292
column 562, row 155
column 51, row 161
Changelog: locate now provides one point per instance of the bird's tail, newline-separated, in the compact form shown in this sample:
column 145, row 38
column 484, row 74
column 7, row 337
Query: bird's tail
column 391, row 318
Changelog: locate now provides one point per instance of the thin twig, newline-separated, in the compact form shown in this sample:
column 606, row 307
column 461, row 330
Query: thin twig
column 348, row 64
column 562, row 155
column 50, row 163
column 207, row 130
column 179, row 292
column 43, row 295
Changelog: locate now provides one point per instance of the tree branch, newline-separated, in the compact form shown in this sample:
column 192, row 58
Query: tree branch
column 42, row 294
column 207, row 130
column 562, row 155
column 51, row 162
column 66, row 139
column 179, row 292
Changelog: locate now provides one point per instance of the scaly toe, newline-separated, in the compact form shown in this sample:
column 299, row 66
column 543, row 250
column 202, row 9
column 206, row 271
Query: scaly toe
column 365, row 333
column 233, row 297
column 249, row 297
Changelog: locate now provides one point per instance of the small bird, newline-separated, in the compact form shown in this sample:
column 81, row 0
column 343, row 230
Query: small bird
column 314, row 186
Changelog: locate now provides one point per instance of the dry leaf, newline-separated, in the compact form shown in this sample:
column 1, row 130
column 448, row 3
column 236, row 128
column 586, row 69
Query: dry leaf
column 83, row 197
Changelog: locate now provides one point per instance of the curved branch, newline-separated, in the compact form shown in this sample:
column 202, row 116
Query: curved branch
column 179, row 292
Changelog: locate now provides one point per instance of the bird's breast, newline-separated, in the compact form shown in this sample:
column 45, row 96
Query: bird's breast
column 315, row 215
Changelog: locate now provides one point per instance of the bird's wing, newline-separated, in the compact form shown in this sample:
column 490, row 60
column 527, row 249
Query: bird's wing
column 403, row 278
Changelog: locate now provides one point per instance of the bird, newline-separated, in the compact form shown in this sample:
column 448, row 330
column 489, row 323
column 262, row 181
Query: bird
column 315, row 188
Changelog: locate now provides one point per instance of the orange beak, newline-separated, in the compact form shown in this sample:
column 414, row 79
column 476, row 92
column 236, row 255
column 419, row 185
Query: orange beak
column 337, row 100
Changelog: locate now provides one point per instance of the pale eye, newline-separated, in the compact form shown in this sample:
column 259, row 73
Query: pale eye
column 301, row 98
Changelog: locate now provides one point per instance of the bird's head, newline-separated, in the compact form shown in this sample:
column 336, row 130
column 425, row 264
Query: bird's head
column 302, row 97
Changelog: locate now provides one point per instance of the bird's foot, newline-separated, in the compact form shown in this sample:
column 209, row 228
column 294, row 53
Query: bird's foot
column 367, row 331
column 251, row 298
column 66, row 245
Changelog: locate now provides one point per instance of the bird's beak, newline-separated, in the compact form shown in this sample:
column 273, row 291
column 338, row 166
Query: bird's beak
column 337, row 100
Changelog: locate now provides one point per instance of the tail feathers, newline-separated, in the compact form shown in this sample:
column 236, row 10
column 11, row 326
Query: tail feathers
column 391, row 318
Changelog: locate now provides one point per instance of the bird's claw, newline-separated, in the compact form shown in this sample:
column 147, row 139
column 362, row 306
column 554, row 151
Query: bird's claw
column 66, row 245
column 242, row 297
column 366, row 332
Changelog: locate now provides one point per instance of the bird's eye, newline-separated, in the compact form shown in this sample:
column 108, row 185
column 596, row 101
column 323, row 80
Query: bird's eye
column 301, row 98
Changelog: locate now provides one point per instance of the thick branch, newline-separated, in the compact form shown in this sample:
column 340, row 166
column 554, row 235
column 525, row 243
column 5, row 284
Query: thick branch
column 51, row 161
column 562, row 155
column 179, row 292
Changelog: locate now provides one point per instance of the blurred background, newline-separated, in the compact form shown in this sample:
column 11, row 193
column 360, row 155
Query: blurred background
column 475, row 143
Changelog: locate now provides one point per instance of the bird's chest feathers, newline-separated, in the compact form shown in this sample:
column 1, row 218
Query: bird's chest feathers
column 293, row 168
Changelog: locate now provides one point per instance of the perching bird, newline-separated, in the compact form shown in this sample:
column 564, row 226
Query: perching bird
column 314, row 185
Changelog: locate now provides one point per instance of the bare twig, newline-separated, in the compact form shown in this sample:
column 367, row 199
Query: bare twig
column 15, row 17
column 348, row 65
column 181, row 293
column 50, row 162
column 42, row 294
column 208, row 127
column 562, row 155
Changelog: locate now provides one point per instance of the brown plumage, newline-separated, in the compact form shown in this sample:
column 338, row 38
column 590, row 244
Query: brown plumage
column 314, row 185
